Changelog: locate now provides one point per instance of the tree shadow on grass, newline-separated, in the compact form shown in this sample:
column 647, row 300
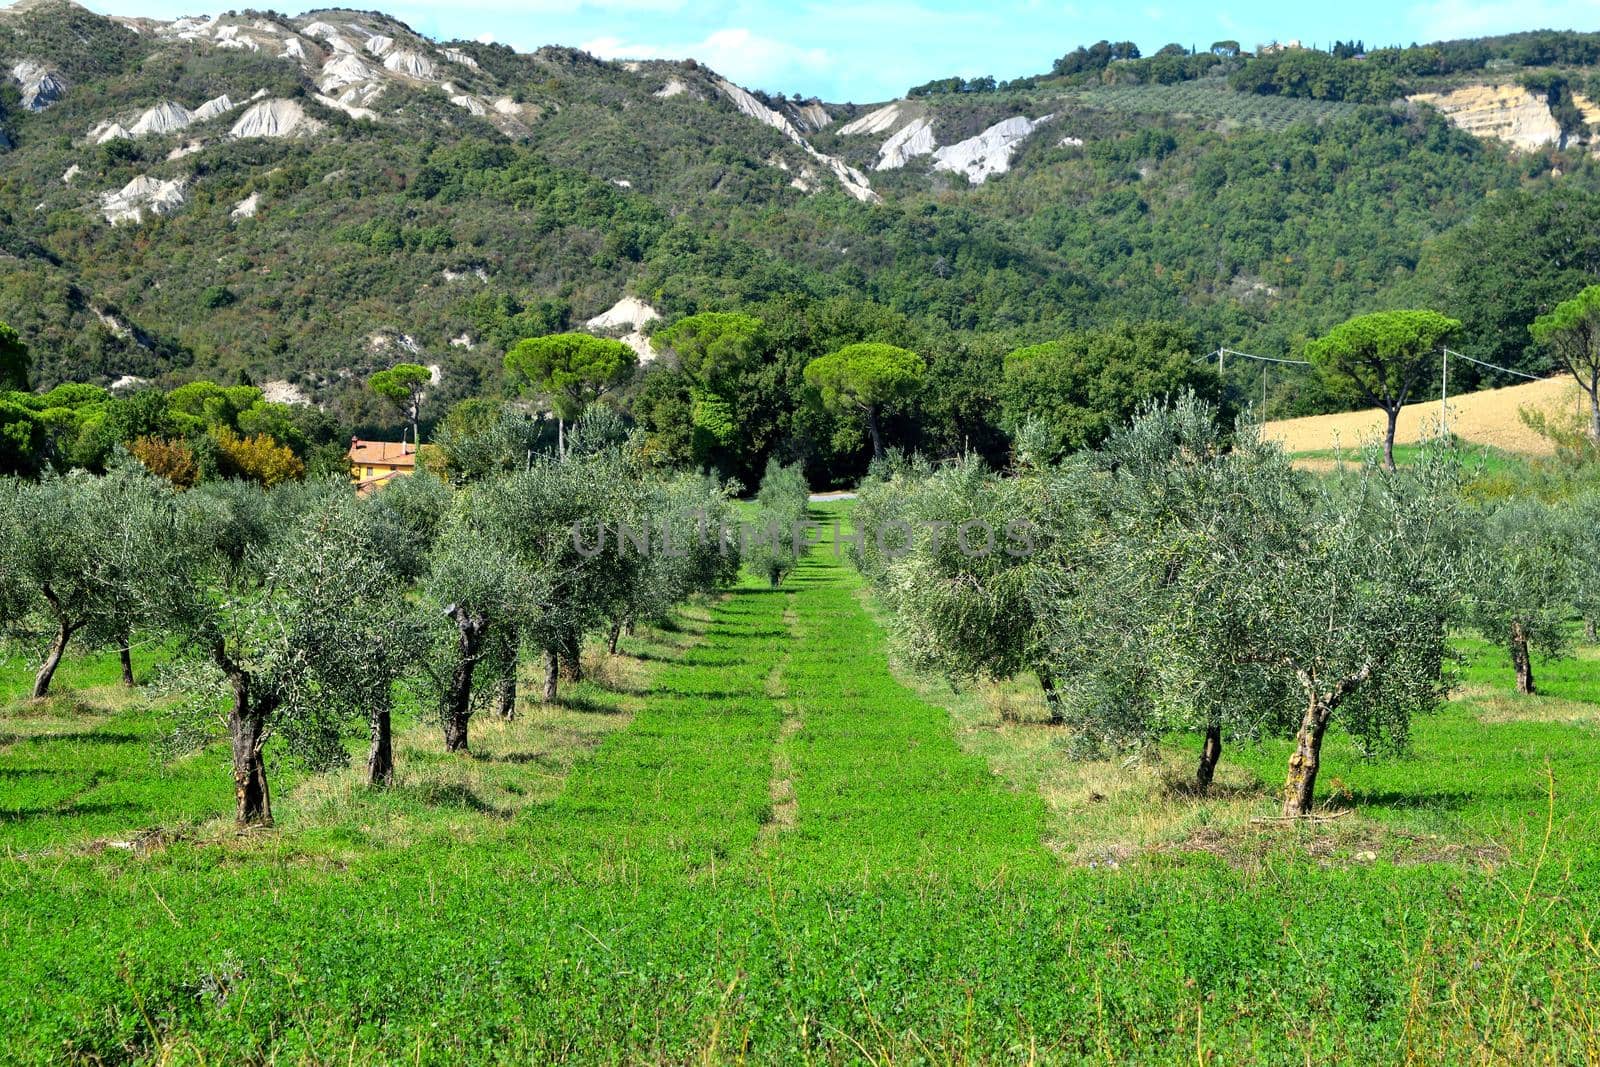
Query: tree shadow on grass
column 585, row 704
column 70, row 811
column 1437, row 801
column 456, row 795
column 78, row 737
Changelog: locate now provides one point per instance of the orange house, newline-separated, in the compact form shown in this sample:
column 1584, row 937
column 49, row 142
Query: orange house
column 374, row 463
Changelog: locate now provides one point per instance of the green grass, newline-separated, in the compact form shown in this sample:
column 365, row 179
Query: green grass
column 752, row 839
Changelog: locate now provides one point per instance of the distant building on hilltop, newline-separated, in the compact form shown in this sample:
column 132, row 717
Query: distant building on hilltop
column 374, row 463
column 1275, row 47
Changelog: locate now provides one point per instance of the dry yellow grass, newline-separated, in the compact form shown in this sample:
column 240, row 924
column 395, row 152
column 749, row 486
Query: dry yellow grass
column 1486, row 418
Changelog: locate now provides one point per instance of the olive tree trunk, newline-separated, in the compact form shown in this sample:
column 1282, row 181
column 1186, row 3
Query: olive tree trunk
column 125, row 655
column 1210, row 753
column 52, row 660
column 616, row 635
column 1052, row 699
column 380, row 755
column 552, row 673
column 247, row 730
column 1300, row 787
column 471, row 629
column 572, row 659
column 1520, row 658
column 505, row 692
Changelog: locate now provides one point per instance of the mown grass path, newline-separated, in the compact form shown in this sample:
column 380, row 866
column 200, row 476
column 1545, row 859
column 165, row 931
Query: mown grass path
column 783, row 857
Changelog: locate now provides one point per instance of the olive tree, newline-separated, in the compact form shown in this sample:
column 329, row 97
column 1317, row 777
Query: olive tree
column 300, row 629
column 1359, row 615
column 1584, row 527
column 80, row 549
column 864, row 379
column 689, row 554
column 1382, row 358
column 768, row 546
column 1571, row 332
column 956, row 557
column 1213, row 589
column 474, row 588
column 1523, row 581
column 1183, row 513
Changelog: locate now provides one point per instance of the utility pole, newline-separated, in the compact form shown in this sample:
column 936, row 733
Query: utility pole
column 1444, row 396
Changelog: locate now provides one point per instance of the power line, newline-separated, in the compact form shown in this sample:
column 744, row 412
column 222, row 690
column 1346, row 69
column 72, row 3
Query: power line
column 1492, row 366
column 1219, row 353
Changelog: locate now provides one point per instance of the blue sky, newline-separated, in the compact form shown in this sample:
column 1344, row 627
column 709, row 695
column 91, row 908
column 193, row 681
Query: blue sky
column 865, row 52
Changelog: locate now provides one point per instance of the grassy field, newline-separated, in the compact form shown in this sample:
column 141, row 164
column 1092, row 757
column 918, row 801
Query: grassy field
column 752, row 837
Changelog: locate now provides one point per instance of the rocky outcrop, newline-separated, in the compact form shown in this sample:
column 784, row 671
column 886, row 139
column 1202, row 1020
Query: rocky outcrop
column 465, row 100
column 343, row 70
column 141, row 198
column 810, row 116
column 283, row 391
column 352, row 110
column 378, row 44
column 913, row 139
column 274, row 118
column 246, row 208
column 855, row 183
column 457, row 56
column 884, row 118
column 40, row 85
column 219, row 105
column 989, row 153
column 165, row 117
column 1508, row 113
column 628, row 314
column 674, row 87
column 411, row 64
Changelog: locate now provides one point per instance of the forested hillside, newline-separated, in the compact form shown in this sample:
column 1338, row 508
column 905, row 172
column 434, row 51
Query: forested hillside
column 305, row 200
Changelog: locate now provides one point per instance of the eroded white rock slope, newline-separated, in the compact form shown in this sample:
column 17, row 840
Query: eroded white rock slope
column 988, row 153
column 40, row 85
column 142, row 197
column 979, row 157
column 855, row 183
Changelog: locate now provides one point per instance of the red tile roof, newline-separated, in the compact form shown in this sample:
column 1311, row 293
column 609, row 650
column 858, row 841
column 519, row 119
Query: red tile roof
column 382, row 453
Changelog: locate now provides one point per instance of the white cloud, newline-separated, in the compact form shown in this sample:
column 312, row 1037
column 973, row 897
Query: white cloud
column 1447, row 19
column 736, row 52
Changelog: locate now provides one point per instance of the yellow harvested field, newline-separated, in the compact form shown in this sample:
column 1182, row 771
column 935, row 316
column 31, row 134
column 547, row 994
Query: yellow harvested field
column 1486, row 418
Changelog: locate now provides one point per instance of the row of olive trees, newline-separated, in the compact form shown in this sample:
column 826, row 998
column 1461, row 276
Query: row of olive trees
column 1184, row 579
column 304, row 610
column 771, row 549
